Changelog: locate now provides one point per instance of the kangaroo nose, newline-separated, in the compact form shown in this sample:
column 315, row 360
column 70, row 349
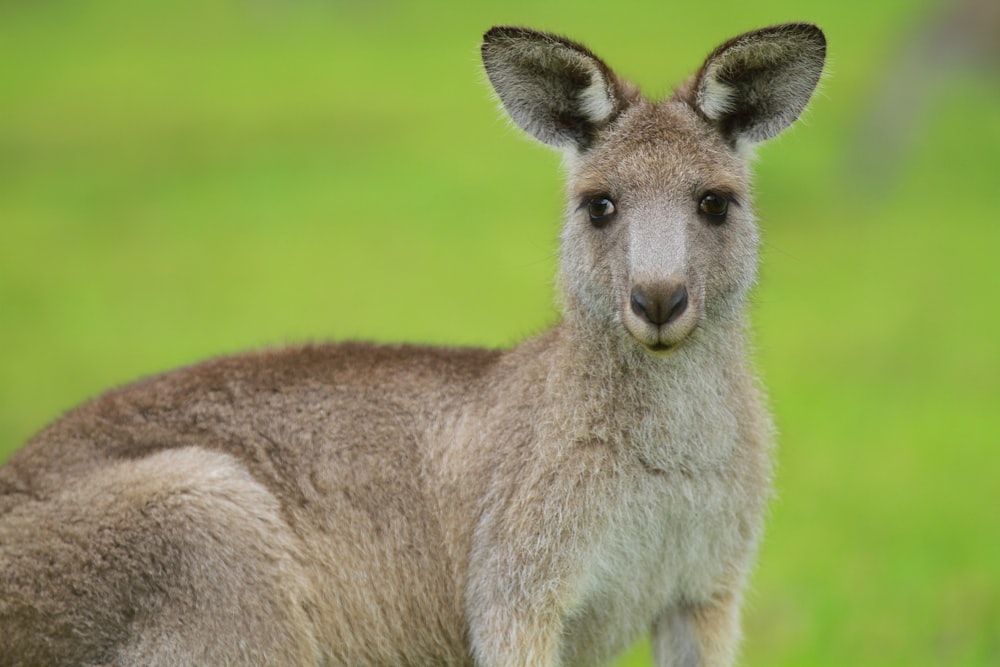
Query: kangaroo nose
column 659, row 304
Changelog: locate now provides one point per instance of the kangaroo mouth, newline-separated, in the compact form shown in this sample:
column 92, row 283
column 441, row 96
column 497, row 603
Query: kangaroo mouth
column 662, row 339
column 664, row 347
column 660, row 342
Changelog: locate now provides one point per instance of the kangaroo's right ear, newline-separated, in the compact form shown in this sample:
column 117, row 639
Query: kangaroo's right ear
column 554, row 89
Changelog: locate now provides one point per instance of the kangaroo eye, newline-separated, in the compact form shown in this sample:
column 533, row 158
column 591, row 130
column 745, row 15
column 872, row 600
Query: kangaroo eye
column 600, row 210
column 714, row 205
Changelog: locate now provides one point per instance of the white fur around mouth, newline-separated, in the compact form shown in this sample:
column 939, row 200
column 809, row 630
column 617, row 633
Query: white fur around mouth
column 660, row 340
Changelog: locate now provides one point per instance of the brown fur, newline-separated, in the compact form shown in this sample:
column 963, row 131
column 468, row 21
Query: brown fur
column 372, row 505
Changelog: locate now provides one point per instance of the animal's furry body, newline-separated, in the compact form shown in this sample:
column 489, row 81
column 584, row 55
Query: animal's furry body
column 369, row 505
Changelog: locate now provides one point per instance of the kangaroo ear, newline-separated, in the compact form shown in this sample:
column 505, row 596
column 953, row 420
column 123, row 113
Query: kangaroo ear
column 554, row 89
column 755, row 85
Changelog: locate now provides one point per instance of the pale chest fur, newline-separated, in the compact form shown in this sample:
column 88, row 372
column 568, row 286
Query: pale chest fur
column 681, row 516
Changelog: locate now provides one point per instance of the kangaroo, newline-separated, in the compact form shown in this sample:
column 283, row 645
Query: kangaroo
column 358, row 504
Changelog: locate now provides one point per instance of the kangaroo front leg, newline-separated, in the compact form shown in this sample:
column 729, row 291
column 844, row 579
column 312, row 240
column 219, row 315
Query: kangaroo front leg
column 526, row 567
column 698, row 635
column 499, row 639
column 516, row 603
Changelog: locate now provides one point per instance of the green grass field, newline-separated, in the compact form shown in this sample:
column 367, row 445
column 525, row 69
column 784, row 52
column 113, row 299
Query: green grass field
column 186, row 179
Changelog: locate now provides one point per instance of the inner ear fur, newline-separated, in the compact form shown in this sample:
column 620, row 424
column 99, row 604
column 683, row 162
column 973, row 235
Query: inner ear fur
column 555, row 89
column 757, row 84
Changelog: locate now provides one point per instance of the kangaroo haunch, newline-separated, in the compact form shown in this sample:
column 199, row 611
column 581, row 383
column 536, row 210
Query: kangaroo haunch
column 360, row 505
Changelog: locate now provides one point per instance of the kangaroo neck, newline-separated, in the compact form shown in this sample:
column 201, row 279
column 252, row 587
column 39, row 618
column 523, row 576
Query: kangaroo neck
column 616, row 392
column 588, row 354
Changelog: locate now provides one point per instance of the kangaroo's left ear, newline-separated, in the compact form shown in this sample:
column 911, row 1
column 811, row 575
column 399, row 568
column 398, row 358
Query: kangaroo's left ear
column 755, row 85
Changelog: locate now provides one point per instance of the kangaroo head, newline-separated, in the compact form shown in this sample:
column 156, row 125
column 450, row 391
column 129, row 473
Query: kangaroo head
column 659, row 235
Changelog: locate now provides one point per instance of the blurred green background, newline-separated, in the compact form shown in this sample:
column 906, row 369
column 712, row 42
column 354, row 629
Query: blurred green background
column 186, row 179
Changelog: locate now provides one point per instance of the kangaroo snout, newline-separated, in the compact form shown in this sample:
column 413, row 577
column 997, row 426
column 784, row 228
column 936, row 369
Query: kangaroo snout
column 659, row 304
column 661, row 314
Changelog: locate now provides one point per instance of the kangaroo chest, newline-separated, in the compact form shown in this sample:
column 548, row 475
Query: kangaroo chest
column 680, row 524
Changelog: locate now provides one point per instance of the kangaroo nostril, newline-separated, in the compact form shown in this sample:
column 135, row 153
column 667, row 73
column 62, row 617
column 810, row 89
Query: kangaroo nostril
column 640, row 304
column 677, row 304
column 659, row 305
